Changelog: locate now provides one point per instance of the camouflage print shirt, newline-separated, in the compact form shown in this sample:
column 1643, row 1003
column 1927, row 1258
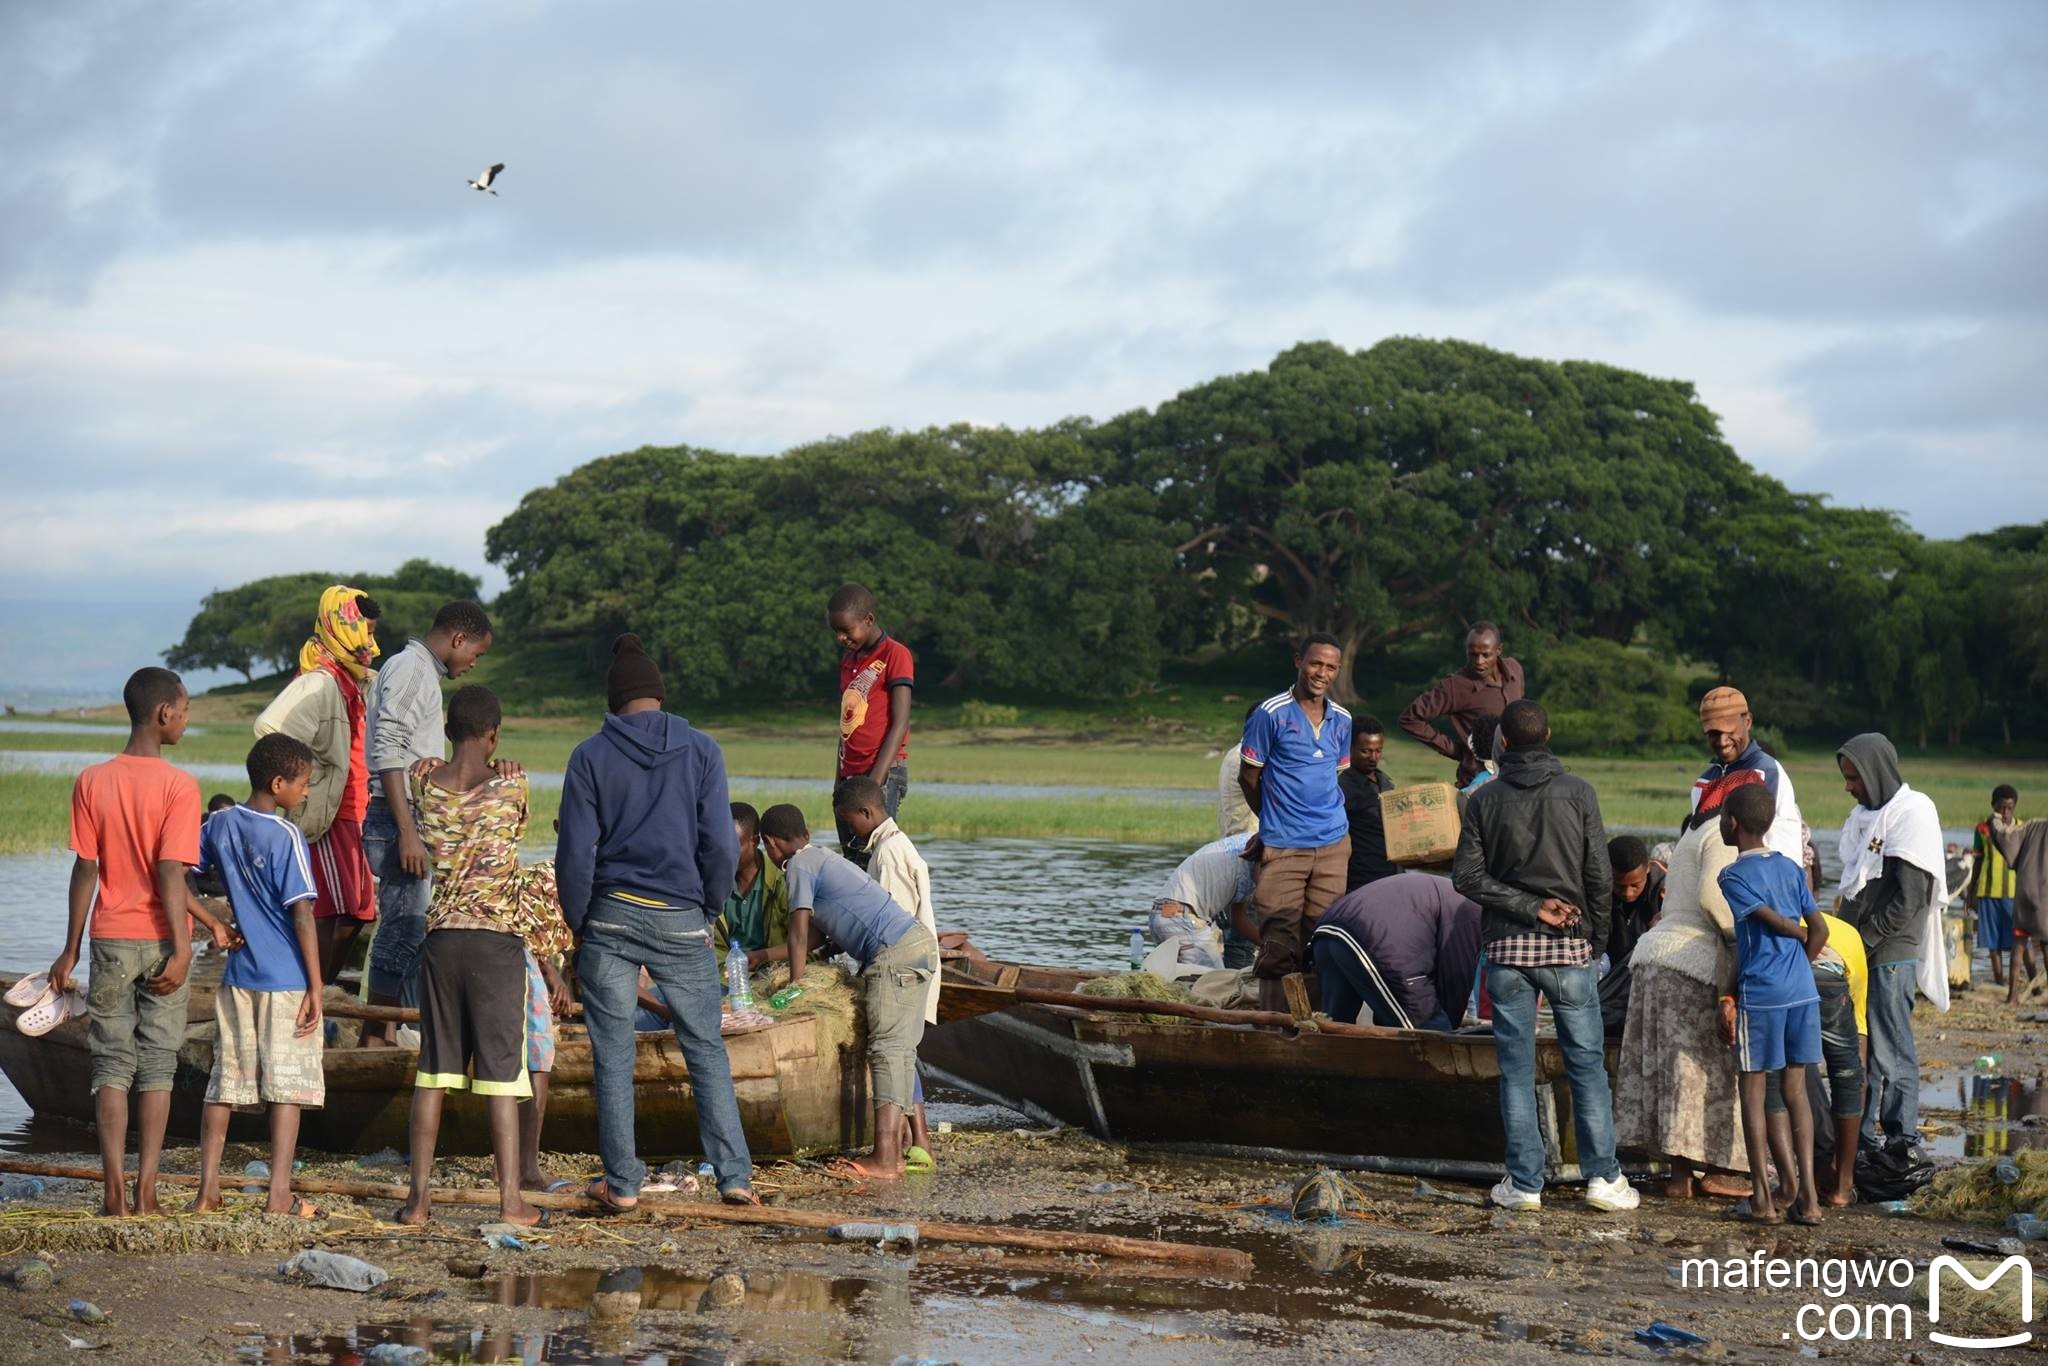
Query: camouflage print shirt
column 472, row 838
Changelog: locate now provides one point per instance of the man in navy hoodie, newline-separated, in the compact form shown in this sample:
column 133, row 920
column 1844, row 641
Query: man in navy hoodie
column 646, row 846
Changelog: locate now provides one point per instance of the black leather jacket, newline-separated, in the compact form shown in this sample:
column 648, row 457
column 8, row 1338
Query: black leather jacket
column 1534, row 832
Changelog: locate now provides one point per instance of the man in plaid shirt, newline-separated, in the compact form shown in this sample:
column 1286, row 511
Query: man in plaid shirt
column 1533, row 854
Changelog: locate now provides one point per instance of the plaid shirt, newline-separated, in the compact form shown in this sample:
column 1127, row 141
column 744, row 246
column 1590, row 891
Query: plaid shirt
column 1539, row 951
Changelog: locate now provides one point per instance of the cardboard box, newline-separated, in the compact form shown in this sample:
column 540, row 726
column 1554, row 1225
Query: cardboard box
column 1421, row 823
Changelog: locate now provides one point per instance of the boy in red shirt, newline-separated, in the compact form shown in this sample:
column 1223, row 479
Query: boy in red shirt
column 876, row 674
column 135, row 830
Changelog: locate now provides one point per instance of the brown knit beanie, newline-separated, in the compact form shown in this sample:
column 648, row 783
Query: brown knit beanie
column 633, row 674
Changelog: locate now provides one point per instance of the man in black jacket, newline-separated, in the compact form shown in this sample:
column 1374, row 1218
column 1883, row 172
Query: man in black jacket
column 1533, row 854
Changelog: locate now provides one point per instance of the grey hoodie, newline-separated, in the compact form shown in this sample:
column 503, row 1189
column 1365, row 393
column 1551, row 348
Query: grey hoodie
column 1890, row 912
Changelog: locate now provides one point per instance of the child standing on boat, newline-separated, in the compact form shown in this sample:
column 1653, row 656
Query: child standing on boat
column 876, row 675
column 473, row 963
column 898, row 958
column 268, row 1005
column 1776, row 1015
column 135, row 829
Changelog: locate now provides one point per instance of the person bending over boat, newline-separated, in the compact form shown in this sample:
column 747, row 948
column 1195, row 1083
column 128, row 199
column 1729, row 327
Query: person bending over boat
column 1398, row 952
column 1533, row 854
column 898, row 958
column 1207, row 904
column 645, row 852
column 893, row 862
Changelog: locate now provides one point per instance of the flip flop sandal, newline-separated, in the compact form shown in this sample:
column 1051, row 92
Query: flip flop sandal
column 1742, row 1213
column 740, row 1195
column 546, row 1220
column 45, row 1015
column 28, row 990
column 846, row 1169
column 1804, row 1220
column 916, row 1159
column 560, row 1184
column 608, row 1204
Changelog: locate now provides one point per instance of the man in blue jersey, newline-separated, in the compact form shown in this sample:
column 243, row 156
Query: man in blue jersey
column 1724, row 716
column 1295, row 745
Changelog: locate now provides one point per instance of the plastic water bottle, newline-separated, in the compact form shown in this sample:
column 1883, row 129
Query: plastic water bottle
column 1137, row 947
column 739, row 989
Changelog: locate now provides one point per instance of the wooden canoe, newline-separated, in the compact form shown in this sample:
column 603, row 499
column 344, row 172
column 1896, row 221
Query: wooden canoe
column 798, row 1097
column 1378, row 1099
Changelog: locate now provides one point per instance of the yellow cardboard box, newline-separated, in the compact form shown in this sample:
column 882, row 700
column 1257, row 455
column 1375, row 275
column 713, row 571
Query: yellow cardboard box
column 1421, row 823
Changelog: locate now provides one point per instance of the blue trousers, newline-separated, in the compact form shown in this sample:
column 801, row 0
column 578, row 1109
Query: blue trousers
column 1575, row 1005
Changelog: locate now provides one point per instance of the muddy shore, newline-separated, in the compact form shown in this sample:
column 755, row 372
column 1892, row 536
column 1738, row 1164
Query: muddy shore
column 1412, row 1275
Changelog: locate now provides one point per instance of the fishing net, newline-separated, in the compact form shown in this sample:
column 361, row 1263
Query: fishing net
column 1142, row 986
column 831, row 994
column 1983, row 1191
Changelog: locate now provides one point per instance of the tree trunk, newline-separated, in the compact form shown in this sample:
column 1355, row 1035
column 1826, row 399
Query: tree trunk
column 1345, row 689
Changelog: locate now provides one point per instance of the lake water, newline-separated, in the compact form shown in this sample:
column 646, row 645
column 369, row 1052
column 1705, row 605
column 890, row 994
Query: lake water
column 71, row 761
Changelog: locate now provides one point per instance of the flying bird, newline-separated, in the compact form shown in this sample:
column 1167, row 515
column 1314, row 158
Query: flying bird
column 483, row 182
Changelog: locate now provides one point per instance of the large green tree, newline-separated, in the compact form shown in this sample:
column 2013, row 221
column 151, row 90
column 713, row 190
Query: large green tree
column 1003, row 558
column 1397, row 491
column 262, row 624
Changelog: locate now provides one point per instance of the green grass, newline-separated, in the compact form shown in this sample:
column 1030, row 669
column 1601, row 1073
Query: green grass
column 35, row 812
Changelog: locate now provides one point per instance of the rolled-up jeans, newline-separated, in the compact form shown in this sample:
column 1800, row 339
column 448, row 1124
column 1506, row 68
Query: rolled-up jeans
column 1893, row 1104
column 1200, row 942
column 1575, row 1006
column 618, row 939
column 402, row 902
column 893, row 988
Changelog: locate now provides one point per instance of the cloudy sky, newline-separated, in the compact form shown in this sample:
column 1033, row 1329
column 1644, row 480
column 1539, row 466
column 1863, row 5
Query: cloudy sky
column 252, row 320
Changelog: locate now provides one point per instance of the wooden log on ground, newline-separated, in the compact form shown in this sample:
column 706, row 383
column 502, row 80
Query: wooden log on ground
column 1226, row 1261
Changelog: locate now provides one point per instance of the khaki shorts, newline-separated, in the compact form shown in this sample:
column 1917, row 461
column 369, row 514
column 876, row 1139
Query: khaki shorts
column 259, row 1060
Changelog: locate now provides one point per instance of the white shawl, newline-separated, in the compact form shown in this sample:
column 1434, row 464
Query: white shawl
column 1906, row 827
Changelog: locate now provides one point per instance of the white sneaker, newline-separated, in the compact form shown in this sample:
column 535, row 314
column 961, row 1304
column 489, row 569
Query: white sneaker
column 1612, row 1195
column 1510, row 1196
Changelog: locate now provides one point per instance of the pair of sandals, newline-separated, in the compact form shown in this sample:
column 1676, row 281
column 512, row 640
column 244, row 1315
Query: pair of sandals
column 42, row 1006
column 609, row 1203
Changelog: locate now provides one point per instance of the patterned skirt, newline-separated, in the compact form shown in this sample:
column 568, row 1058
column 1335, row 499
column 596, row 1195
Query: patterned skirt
column 1675, row 1087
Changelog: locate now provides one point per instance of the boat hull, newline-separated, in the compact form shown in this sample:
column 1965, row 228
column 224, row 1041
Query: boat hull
column 1395, row 1100
column 798, row 1096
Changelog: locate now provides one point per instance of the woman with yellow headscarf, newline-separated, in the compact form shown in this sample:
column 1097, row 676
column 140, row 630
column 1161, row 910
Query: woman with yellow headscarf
column 325, row 707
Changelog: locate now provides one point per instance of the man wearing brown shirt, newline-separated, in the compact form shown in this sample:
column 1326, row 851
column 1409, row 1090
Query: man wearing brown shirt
column 1484, row 687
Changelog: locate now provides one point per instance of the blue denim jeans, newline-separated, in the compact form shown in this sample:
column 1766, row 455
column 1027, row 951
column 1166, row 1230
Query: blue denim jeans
column 401, row 911
column 1575, row 1005
column 1894, row 1080
column 618, row 940
column 1200, row 942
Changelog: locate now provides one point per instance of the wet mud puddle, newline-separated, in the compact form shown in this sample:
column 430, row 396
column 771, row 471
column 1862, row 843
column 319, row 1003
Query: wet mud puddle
column 898, row 1303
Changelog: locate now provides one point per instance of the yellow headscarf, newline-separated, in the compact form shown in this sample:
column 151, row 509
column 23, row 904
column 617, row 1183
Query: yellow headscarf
column 341, row 634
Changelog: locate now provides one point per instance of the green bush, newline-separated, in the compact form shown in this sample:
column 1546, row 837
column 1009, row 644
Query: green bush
column 1601, row 695
column 979, row 715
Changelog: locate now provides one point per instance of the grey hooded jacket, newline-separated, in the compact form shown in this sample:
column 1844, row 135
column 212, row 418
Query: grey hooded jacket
column 1891, row 910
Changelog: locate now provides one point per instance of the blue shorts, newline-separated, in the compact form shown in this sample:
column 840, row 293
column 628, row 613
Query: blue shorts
column 1994, row 923
column 1772, row 1039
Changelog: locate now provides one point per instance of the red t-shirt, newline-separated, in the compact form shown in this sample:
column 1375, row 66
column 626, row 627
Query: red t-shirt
column 355, row 792
column 130, row 814
column 865, row 702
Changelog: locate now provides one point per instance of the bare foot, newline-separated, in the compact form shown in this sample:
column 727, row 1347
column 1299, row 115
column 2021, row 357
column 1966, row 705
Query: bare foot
column 851, row 1169
column 1724, row 1187
column 414, row 1214
column 535, row 1180
column 115, row 1205
column 145, row 1200
column 1806, row 1214
column 201, row 1204
column 1679, row 1188
column 1840, row 1199
column 522, row 1214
